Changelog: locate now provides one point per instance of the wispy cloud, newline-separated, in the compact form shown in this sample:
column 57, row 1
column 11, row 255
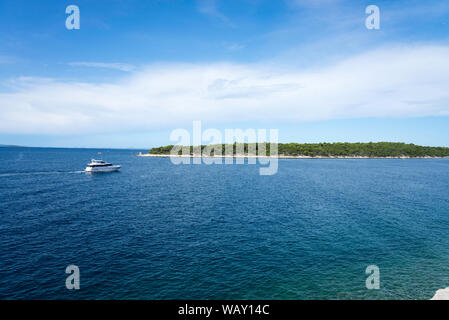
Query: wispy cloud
column 116, row 66
column 233, row 46
column 210, row 8
column 391, row 82
column 7, row 60
column 311, row 3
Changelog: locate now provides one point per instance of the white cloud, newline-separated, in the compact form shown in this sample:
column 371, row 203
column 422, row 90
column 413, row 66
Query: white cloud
column 116, row 66
column 392, row 82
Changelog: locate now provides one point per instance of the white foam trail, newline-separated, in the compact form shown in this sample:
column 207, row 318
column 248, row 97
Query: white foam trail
column 36, row 173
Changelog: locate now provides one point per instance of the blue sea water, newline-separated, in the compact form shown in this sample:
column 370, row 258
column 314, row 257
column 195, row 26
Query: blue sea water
column 156, row 230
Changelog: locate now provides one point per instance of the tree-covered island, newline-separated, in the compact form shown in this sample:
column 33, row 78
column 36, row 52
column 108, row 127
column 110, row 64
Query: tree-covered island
column 370, row 150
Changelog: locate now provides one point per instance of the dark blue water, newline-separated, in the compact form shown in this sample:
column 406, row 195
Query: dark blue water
column 160, row 231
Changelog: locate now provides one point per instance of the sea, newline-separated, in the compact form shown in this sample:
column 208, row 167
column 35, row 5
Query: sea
column 157, row 230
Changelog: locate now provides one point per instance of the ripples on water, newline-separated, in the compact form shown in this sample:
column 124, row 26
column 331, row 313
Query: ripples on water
column 159, row 231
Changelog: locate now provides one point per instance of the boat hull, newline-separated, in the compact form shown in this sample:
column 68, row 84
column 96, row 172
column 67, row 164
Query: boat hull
column 102, row 169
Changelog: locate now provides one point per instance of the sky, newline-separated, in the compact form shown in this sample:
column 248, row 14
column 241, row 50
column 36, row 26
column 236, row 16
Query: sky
column 136, row 70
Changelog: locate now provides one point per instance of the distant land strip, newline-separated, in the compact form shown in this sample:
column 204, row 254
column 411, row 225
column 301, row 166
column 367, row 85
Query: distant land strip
column 307, row 150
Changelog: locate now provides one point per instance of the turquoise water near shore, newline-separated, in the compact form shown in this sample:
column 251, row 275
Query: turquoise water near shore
column 156, row 230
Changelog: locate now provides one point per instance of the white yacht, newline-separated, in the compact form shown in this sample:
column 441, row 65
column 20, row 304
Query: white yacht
column 101, row 166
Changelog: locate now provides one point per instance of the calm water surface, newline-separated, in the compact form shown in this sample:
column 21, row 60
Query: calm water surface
column 160, row 231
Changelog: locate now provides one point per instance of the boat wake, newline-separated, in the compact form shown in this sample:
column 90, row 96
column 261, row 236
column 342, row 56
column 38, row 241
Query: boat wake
column 12, row 174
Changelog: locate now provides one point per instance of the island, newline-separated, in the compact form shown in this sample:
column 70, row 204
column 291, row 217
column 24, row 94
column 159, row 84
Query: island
column 307, row 150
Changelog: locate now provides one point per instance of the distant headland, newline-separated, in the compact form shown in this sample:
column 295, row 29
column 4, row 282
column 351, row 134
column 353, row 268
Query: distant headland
column 308, row 150
column 10, row 146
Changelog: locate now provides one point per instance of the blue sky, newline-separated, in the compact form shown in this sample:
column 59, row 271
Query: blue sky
column 138, row 69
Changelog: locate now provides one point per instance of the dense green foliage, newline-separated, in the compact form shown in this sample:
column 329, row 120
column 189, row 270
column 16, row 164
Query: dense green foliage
column 371, row 149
